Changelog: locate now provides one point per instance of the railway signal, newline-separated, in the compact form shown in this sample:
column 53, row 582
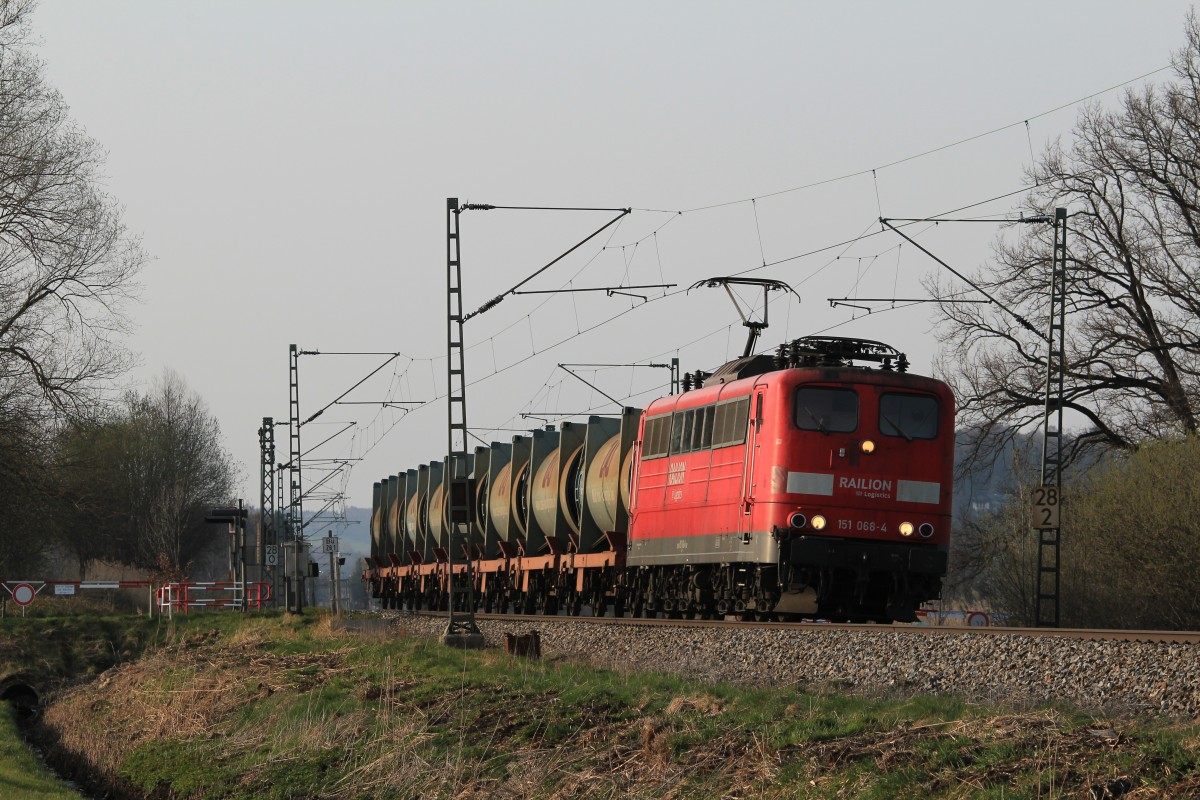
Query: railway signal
column 235, row 518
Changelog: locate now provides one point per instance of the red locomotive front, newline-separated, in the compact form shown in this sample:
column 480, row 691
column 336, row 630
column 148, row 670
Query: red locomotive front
column 821, row 489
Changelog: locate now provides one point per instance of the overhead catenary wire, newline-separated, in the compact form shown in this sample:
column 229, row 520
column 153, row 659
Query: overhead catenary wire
column 623, row 212
column 758, row 230
column 535, row 352
column 915, row 156
column 675, row 214
column 543, row 304
column 392, row 357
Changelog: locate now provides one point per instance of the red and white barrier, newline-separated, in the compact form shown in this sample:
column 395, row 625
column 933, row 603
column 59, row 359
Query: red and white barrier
column 169, row 597
column 212, row 594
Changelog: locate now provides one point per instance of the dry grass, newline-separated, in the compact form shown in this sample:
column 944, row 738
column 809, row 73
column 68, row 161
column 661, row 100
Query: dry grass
column 365, row 716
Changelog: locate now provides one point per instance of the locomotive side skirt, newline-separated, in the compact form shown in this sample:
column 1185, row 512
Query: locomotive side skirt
column 715, row 548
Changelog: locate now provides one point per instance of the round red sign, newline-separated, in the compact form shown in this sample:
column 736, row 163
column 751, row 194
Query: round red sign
column 23, row 594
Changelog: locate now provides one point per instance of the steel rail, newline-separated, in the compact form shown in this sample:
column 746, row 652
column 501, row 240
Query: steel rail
column 1177, row 637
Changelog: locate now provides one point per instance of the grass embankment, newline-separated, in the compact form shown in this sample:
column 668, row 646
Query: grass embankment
column 52, row 649
column 47, row 653
column 269, row 707
column 22, row 776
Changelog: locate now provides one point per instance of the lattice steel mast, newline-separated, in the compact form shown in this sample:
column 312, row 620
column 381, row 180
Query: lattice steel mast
column 1048, row 611
column 296, row 506
column 461, row 629
column 1049, row 500
column 266, row 519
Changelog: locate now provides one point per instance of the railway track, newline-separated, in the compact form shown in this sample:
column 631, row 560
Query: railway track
column 1155, row 672
column 1175, row 637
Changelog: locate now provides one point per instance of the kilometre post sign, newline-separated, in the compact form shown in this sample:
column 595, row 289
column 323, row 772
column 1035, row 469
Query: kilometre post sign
column 1045, row 507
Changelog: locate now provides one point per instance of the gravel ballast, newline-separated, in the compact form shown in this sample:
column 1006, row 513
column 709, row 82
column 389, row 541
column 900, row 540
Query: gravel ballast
column 1122, row 676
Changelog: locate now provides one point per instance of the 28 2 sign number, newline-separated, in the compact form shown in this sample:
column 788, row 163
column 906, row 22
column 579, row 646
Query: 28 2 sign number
column 1045, row 507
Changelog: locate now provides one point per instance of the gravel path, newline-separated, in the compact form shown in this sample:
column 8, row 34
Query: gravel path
column 1113, row 676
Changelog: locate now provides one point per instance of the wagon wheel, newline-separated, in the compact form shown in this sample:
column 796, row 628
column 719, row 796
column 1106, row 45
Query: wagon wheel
column 505, row 601
column 574, row 604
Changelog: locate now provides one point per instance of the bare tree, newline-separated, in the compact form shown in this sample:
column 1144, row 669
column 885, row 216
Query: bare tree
column 192, row 470
column 1131, row 182
column 144, row 478
column 67, row 264
column 67, row 267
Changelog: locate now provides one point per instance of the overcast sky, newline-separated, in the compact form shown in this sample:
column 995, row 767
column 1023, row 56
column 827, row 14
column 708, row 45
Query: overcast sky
column 287, row 165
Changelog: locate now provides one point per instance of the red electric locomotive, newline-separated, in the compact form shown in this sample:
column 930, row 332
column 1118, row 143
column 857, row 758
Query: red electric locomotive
column 800, row 484
column 796, row 485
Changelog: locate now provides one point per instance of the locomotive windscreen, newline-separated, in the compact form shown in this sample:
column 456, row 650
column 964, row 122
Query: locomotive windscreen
column 913, row 416
column 826, row 410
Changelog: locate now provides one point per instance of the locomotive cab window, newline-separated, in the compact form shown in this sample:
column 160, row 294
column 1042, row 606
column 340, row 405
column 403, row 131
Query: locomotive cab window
column 657, row 436
column 704, row 428
column 913, row 416
column 680, row 426
column 826, row 410
column 729, row 422
column 692, row 430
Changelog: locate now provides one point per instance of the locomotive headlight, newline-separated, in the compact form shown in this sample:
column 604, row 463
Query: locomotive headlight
column 868, row 446
column 906, row 529
column 818, row 522
column 926, row 530
column 798, row 520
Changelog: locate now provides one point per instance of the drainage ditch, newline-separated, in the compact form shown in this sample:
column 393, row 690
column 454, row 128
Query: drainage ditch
column 24, row 698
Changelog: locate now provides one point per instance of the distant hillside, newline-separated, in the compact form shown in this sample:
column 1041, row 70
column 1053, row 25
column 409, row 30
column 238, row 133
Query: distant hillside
column 356, row 535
